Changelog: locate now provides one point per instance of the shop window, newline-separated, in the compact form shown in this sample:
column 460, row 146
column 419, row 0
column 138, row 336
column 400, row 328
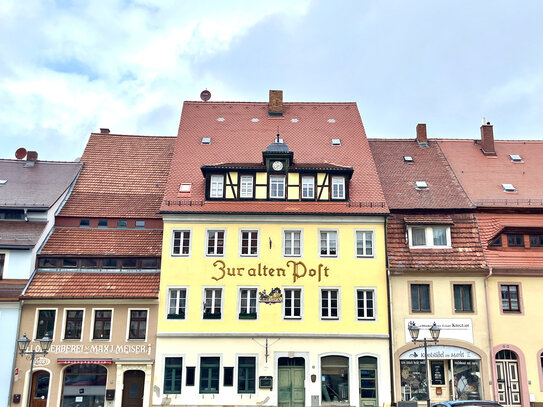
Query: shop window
column 84, row 385
column 173, row 368
column 46, row 323
column 365, row 304
column 338, row 187
column 138, row 324
column 292, row 243
column 74, row 324
column 429, row 236
column 246, row 374
column 102, row 324
column 216, row 189
column 515, row 240
column 308, row 187
column 329, row 304
column 364, row 243
column 177, row 302
column 247, row 303
column 536, row 240
column 510, row 297
column 246, row 186
column 420, row 297
column 277, row 186
column 413, row 380
column 463, row 298
column 181, row 243
column 335, row 379
column 292, row 303
column 215, row 243
column 249, row 243
column 209, row 375
column 328, row 243
column 467, row 379
column 212, row 303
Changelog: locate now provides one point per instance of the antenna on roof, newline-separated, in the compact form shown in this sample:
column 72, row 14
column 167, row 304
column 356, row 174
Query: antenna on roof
column 205, row 95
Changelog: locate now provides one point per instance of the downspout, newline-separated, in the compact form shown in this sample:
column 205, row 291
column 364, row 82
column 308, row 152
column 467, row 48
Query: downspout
column 490, row 337
column 16, row 353
column 391, row 336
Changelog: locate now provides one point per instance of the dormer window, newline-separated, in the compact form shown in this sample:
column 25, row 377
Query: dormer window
column 338, row 187
column 508, row 188
column 422, row 236
column 308, row 187
column 216, row 189
column 246, row 186
column 277, row 186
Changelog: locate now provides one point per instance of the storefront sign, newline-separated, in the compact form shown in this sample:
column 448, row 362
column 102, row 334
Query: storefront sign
column 461, row 328
column 296, row 269
column 101, row 349
column 41, row 361
column 439, row 352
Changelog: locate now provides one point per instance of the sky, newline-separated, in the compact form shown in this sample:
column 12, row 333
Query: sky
column 68, row 68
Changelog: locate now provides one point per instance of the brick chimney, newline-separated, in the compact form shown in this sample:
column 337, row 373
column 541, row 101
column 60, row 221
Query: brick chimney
column 31, row 158
column 104, row 130
column 487, row 139
column 422, row 137
column 275, row 106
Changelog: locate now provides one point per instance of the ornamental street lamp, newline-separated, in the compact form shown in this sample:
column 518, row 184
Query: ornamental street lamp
column 434, row 332
column 22, row 345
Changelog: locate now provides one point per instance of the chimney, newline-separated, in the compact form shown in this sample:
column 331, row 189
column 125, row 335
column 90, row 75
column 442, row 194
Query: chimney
column 104, row 130
column 422, row 137
column 275, row 106
column 487, row 139
column 31, row 158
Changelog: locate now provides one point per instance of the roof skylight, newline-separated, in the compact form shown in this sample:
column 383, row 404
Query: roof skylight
column 220, row 119
column 295, row 120
column 421, row 185
column 331, row 120
column 3, row 181
column 408, row 158
column 336, row 142
column 206, row 140
column 508, row 188
column 255, row 120
column 185, row 187
column 515, row 158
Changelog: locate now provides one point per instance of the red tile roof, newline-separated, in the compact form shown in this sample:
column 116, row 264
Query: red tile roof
column 11, row 289
column 490, row 224
column 20, row 234
column 466, row 253
column 429, row 164
column 104, row 242
column 482, row 176
column 123, row 176
column 239, row 139
column 64, row 285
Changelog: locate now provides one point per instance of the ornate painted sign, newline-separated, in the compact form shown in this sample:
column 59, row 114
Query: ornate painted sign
column 273, row 297
column 453, row 328
column 296, row 269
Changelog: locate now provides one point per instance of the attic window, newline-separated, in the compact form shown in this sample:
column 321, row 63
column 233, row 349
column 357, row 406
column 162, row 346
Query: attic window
column 336, row 142
column 408, row 158
column 421, row 185
column 515, row 158
column 185, row 187
column 3, row 181
column 84, row 223
column 206, row 140
column 508, row 188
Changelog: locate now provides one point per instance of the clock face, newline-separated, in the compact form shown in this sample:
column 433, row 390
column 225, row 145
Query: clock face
column 277, row 165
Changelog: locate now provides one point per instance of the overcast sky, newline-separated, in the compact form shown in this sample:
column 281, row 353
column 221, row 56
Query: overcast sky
column 68, row 68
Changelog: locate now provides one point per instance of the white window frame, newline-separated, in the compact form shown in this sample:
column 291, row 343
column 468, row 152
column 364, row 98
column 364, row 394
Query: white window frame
column 283, row 183
column 91, row 333
column 340, row 188
column 170, row 288
column 241, row 254
column 312, row 183
column 301, row 232
column 364, row 247
column 245, row 188
column 215, row 243
column 328, row 231
column 373, row 290
column 129, row 320
column 213, row 298
column 65, row 320
column 216, row 186
column 329, row 290
column 429, row 236
column 257, row 310
column 290, row 316
column 181, row 254
column 36, row 317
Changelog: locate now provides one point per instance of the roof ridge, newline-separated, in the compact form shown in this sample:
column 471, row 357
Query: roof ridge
column 266, row 103
column 40, row 161
column 131, row 135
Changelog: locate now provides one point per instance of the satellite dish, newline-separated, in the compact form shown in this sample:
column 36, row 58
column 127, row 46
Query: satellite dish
column 205, row 95
column 20, row 153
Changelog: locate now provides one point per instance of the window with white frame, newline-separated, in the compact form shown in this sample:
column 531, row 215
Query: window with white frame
column 364, row 243
column 308, row 187
column 46, row 323
column 436, row 236
column 338, row 187
column 277, row 186
column 292, row 303
column 365, row 304
column 181, row 242
column 138, row 324
column 215, row 243
column 246, row 186
column 328, row 243
column 216, row 187
column 102, row 324
column 329, row 303
column 247, row 303
column 177, row 303
column 74, row 324
column 212, row 303
column 292, row 243
column 249, row 243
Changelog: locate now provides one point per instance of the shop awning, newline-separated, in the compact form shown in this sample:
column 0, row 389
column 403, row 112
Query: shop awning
column 84, row 361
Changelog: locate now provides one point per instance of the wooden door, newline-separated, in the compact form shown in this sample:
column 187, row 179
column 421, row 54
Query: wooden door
column 134, row 380
column 40, row 389
column 368, row 382
column 508, row 382
column 291, row 390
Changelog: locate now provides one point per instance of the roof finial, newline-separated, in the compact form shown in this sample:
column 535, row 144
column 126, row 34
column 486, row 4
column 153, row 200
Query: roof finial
column 278, row 140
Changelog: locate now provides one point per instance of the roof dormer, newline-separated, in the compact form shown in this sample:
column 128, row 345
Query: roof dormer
column 277, row 157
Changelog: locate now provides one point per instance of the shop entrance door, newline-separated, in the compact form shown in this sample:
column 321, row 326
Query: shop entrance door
column 40, row 389
column 291, row 391
column 134, row 381
column 368, row 381
column 508, row 380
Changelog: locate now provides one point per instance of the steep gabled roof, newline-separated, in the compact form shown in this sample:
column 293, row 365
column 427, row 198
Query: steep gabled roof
column 123, row 176
column 428, row 164
column 240, row 132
